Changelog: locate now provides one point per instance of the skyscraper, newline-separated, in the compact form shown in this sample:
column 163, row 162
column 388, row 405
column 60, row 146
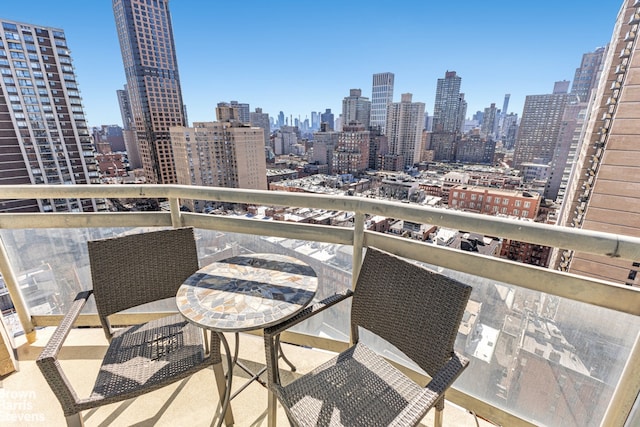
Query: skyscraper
column 327, row 117
column 449, row 109
column 565, row 149
column 356, row 108
column 44, row 137
column 540, row 126
column 587, row 73
column 381, row 98
column 153, row 82
column 490, row 121
column 244, row 111
column 604, row 192
column 404, row 129
column 261, row 120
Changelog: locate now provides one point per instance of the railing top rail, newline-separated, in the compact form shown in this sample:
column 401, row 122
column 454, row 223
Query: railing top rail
column 596, row 242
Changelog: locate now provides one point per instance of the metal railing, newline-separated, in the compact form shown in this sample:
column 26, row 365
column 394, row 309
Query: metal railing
column 624, row 299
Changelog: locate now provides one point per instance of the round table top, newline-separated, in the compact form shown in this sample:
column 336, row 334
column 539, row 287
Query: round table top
column 247, row 292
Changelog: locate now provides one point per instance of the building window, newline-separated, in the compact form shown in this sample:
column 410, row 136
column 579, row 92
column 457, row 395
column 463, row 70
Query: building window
column 527, row 204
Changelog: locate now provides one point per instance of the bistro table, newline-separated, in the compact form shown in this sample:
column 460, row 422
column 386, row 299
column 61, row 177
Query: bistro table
column 244, row 293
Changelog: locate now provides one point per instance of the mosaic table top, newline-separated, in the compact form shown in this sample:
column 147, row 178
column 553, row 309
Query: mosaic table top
column 247, row 292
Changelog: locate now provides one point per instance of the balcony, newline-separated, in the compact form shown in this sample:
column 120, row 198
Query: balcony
column 536, row 357
column 189, row 402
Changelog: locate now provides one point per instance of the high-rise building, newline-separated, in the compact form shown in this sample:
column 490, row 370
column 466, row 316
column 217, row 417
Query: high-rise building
column 509, row 130
column 261, row 120
column 404, row 129
column 604, row 194
column 351, row 155
column 586, row 76
column 324, row 142
column 153, row 82
column 565, row 150
column 280, row 119
column 501, row 128
column 226, row 112
column 356, row 108
column 449, row 109
column 220, row 154
column 327, row 117
column 475, row 148
column 285, row 140
column 244, row 111
column 128, row 126
column 505, row 103
column 44, row 135
column 108, row 139
column 490, row 121
column 315, row 120
column 378, row 147
column 381, row 98
column 540, row 126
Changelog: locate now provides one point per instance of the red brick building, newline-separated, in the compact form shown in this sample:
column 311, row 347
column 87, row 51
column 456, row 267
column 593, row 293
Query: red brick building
column 491, row 201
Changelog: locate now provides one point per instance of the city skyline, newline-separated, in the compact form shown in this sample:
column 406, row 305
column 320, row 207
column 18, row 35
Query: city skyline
column 299, row 60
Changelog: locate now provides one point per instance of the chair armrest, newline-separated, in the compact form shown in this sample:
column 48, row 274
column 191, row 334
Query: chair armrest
column 270, row 334
column 432, row 392
column 48, row 362
column 62, row 331
column 308, row 312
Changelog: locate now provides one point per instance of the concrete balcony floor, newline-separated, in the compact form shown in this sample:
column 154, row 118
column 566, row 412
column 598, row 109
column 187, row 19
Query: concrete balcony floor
column 27, row 400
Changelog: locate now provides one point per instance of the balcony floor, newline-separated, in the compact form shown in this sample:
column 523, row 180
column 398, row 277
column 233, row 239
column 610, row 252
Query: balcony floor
column 27, row 400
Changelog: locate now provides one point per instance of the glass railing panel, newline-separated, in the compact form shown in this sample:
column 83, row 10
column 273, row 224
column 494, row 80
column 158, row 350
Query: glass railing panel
column 51, row 266
column 544, row 358
column 332, row 264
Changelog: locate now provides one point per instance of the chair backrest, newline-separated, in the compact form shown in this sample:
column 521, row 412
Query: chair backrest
column 415, row 309
column 136, row 269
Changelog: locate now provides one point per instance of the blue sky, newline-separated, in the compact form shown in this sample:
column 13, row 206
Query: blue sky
column 302, row 56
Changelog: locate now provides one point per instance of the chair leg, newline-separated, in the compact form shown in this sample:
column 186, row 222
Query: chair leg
column 74, row 420
column 437, row 418
column 221, row 384
column 272, row 406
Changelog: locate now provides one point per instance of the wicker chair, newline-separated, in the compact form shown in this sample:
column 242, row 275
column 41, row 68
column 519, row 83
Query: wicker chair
column 126, row 272
column 415, row 309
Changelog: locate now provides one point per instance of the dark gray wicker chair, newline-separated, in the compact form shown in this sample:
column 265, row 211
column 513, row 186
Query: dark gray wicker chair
column 126, row 272
column 415, row 309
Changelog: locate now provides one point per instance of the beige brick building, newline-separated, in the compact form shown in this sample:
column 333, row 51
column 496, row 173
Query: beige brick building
column 220, row 154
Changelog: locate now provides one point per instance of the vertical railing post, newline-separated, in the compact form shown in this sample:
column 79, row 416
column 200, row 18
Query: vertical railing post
column 174, row 206
column 11, row 282
column 358, row 242
column 626, row 391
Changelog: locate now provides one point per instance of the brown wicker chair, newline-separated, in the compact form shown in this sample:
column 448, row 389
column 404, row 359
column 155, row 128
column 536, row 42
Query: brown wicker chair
column 413, row 308
column 126, row 272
